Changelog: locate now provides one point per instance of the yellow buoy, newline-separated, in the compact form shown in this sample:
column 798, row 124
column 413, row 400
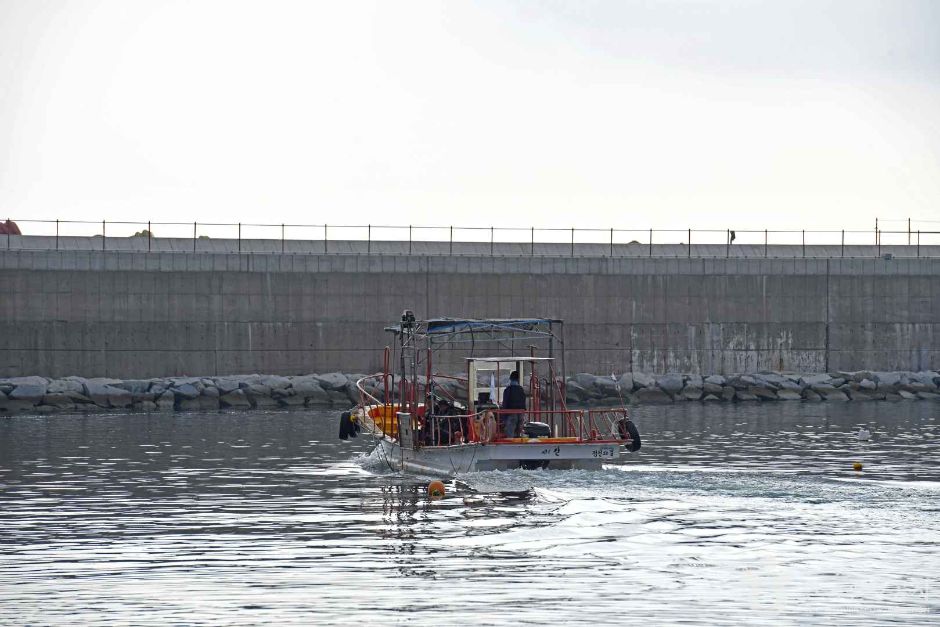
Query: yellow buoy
column 857, row 466
column 436, row 490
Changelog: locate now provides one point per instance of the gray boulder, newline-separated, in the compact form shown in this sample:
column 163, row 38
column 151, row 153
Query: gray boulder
column 810, row 395
column 831, row 394
column 887, row 379
column 332, row 380
column 642, row 380
column 226, row 384
column 929, row 396
column 147, row 406
column 61, row 386
column 727, row 393
column 907, row 396
column 257, row 390
column 16, row 381
column 787, row 394
column 606, row 386
column 291, row 401
column 860, row 395
column 186, row 391
column 652, row 396
column 137, row 387
column 574, row 393
column 211, row 391
column 671, row 383
column 712, row 388
column 58, row 401
column 235, row 398
column 626, row 383
column 166, row 401
column 810, row 380
column 716, row 379
column 772, row 380
column 106, row 395
column 264, row 402
column 762, row 393
column 691, row 392
column 926, row 377
column 585, row 380
column 276, row 382
column 308, row 387
column 709, row 398
column 742, row 382
column 28, row 392
column 12, row 406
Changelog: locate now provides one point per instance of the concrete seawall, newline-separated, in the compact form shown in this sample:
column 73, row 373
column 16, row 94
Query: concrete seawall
column 157, row 314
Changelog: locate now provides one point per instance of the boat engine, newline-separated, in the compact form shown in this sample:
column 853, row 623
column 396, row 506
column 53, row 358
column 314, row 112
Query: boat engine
column 537, row 430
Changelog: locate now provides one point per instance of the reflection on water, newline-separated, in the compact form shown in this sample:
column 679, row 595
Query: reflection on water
column 729, row 514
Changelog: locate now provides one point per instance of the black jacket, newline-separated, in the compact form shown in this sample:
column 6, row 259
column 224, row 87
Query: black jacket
column 513, row 397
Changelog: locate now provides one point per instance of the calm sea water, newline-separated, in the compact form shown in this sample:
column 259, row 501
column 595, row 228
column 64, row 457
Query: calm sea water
column 729, row 515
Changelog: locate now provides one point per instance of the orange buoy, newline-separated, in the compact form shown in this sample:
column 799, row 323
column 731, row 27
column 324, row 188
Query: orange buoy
column 436, row 490
column 857, row 466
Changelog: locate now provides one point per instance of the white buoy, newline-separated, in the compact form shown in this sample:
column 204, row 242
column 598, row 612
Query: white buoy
column 864, row 434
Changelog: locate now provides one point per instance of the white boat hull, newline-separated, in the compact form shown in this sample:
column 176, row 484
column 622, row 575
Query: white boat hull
column 473, row 457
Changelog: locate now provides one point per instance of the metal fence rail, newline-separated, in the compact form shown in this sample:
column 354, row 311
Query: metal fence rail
column 373, row 238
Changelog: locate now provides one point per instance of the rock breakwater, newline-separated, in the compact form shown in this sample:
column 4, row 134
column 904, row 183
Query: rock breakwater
column 39, row 395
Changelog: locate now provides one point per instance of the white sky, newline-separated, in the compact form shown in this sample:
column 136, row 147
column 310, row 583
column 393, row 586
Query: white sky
column 628, row 114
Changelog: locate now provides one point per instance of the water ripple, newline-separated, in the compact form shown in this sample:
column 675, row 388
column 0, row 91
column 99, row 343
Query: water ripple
column 728, row 515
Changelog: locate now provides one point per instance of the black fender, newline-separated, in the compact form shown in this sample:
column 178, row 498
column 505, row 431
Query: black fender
column 348, row 428
column 627, row 429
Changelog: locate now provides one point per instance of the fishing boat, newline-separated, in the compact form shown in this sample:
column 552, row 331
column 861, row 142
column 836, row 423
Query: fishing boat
column 432, row 423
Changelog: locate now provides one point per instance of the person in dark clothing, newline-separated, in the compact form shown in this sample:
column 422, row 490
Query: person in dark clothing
column 513, row 398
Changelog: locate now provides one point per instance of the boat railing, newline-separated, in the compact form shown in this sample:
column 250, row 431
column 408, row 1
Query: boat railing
column 604, row 422
column 486, row 425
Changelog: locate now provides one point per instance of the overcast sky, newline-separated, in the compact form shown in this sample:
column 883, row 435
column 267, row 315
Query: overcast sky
column 627, row 114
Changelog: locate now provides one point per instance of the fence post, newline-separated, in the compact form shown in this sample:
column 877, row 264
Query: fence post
column 239, row 237
column 918, row 242
column 282, row 238
column 908, row 231
column 727, row 243
column 57, row 234
column 876, row 232
column 369, row 240
column 651, row 242
column 194, row 237
column 325, row 245
column 611, row 243
column 532, row 251
column 452, row 239
column 765, row 243
column 843, row 242
column 878, row 238
column 690, row 243
column 104, row 234
column 491, row 241
column 572, row 241
column 804, row 243
column 409, row 239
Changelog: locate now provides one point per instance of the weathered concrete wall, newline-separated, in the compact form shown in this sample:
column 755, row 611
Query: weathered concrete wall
column 126, row 314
